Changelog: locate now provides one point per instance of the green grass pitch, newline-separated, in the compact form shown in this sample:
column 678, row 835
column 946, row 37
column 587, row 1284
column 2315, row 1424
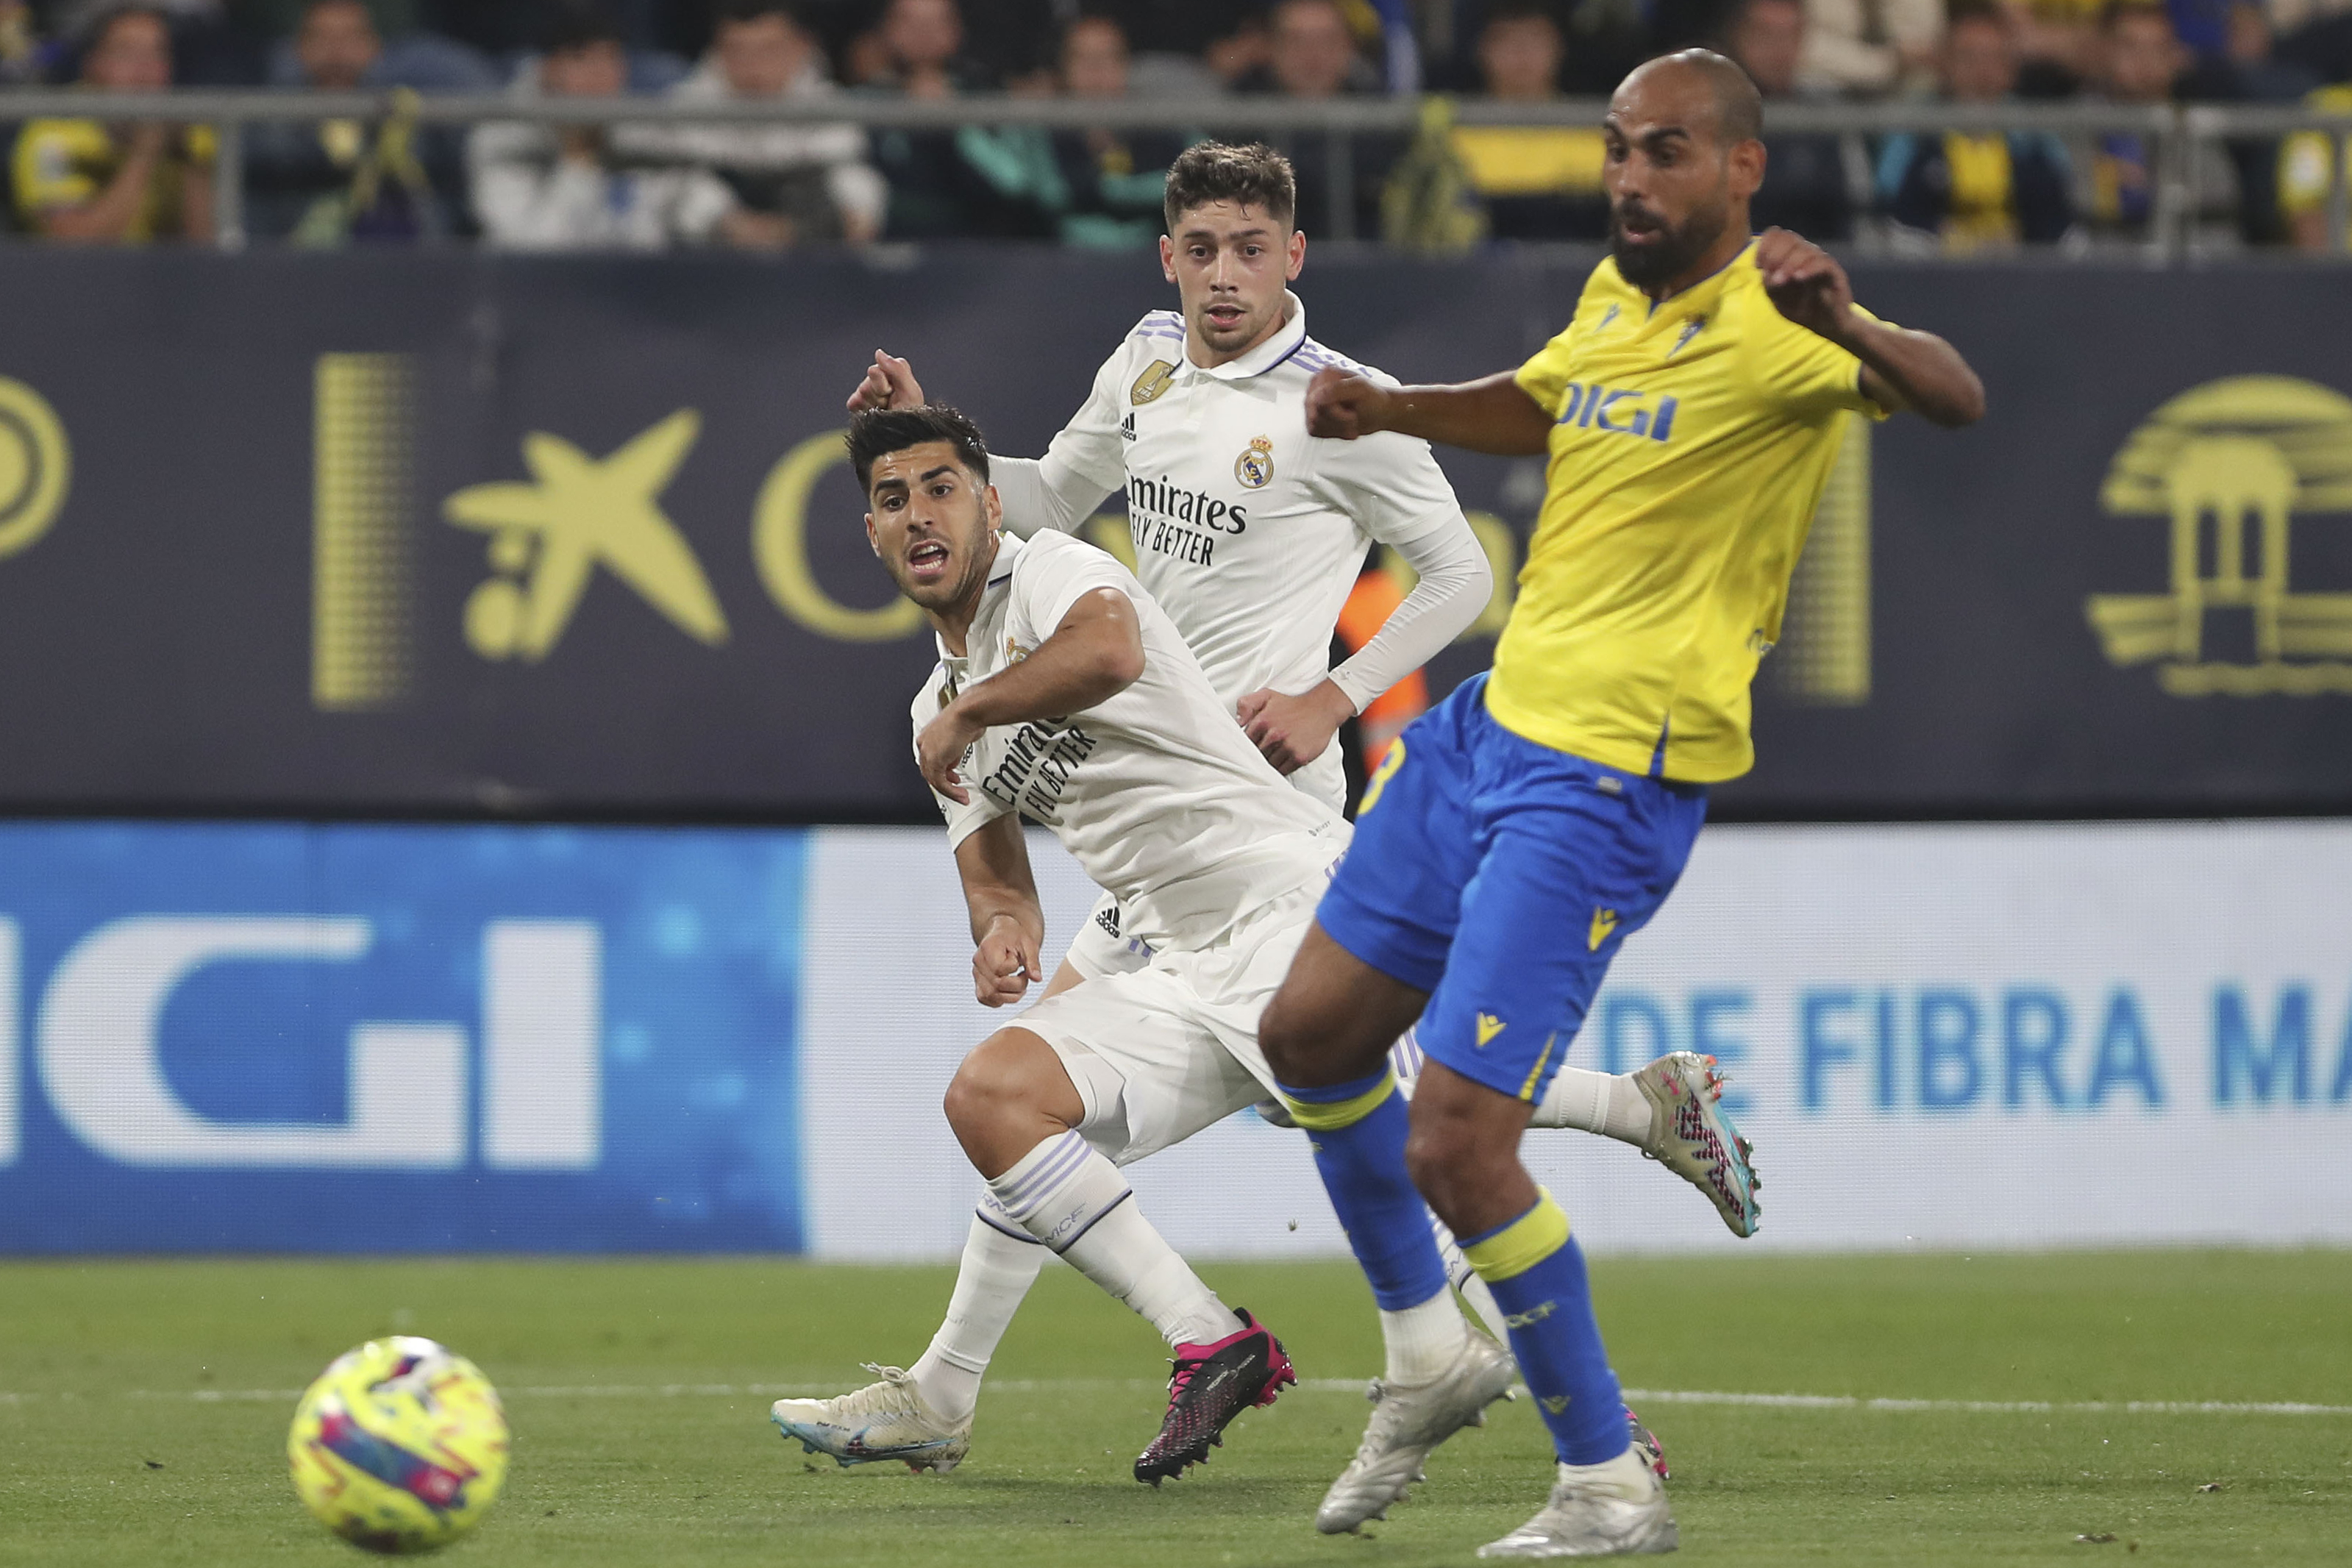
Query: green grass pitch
column 144, row 1405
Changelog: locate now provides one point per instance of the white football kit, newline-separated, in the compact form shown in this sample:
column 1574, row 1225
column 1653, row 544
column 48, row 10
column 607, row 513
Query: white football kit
column 1216, row 862
column 1250, row 533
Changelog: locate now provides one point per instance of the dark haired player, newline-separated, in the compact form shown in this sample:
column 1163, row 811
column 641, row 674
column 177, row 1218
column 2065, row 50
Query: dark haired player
column 1249, row 532
column 1514, row 837
column 1063, row 695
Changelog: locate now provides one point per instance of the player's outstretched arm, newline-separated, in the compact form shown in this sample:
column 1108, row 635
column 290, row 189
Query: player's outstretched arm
column 1900, row 369
column 1094, row 655
column 1008, row 925
column 1491, row 415
column 889, row 383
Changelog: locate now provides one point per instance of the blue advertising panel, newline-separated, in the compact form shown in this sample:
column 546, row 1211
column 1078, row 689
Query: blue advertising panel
column 375, row 1039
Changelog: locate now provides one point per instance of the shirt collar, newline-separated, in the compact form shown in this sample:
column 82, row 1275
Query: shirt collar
column 1285, row 342
column 1686, row 295
column 1000, row 573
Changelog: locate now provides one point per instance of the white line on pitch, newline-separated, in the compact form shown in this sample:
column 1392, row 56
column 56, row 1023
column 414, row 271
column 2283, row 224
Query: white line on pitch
column 1313, row 1384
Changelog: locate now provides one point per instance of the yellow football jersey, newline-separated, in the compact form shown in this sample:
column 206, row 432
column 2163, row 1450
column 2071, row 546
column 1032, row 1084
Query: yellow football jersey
column 1690, row 443
column 66, row 162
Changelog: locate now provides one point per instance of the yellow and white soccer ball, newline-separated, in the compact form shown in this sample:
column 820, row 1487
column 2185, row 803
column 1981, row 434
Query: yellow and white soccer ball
column 401, row 1446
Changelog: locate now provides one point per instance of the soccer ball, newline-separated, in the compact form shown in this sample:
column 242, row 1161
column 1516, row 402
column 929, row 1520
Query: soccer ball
column 401, row 1446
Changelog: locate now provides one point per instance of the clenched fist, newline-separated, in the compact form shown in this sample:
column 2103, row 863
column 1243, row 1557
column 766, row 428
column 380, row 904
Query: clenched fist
column 1805, row 283
column 1342, row 405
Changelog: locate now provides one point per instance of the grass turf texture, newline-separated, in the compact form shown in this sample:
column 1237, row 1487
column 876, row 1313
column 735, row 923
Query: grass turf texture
column 106, row 1457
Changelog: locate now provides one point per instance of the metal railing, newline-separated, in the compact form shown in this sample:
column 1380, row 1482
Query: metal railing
column 2180, row 133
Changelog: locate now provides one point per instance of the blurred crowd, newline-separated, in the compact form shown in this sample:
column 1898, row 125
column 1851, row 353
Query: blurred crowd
column 770, row 187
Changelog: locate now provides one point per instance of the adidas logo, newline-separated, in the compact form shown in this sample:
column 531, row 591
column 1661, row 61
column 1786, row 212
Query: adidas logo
column 1107, row 917
column 1126, row 426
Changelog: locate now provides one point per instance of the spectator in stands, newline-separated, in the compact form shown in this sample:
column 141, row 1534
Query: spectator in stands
column 945, row 184
column 1536, row 182
column 2307, row 173
column 327, row 183
column 2139, row 58
column 540, row 187
column 922, row 51
column 2058, row 44
column 1313, row 55
column 1312, row 52
column 118, row 184
column 1873, row 48
column 2250, row 71
column 1965, row 192
column 792, row 183
column 1804, row 184
column 1117, row 178
column 23, row 56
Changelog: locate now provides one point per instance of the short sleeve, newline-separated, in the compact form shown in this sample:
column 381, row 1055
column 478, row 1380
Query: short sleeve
column 964, row 820
column 1810, row 374
column 1054, row 573
column 1545, row 376
column 1390, row 484
column 48, row 165
column 2306, row 171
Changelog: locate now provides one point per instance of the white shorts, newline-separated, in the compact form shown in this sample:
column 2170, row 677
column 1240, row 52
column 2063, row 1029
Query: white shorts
column 1099, row 947
column 1161, row 1052
column 1098, row 951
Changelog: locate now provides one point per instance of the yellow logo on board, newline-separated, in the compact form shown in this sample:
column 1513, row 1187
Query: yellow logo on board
column 1489, row 1026
column 1604, row 926
column 2228, row 465
column 580, row 513
column 35, row 465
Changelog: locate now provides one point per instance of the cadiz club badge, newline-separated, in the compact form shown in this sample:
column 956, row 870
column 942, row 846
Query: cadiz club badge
column 36, row 467
column 1254, row 467
column 2227, row 466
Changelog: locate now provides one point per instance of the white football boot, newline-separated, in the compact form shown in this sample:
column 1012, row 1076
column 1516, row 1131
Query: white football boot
column 1692, row 1135
column 1406, row 1424
column 884, row 1420
column 1616, row 1510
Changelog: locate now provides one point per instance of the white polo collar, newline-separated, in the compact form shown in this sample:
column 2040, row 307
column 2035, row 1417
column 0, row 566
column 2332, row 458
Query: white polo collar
column 1285, row 342
column 1000, row 573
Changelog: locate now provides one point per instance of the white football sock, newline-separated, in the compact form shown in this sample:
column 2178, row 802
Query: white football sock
column 1423, row 1341
column 1608, row 1103
column 1611, row 1104
column 1466, row 1279
column 1076, row 1202
column 1627, row 1476
column 997, row 1271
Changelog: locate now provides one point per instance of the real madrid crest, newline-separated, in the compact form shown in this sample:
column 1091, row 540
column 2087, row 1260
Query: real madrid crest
column 1254, row 468
column 1013, row 652
column 1151, row 382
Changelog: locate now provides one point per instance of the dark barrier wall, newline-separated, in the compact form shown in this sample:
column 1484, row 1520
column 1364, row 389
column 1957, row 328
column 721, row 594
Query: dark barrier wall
column 404, row 533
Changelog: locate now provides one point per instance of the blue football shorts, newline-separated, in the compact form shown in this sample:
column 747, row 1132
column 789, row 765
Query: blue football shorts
column 1500, row 876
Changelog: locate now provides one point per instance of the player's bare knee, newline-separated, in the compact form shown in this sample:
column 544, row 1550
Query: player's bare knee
column 998, row 1080
column 1441, row 1155
column 1282, row 1039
